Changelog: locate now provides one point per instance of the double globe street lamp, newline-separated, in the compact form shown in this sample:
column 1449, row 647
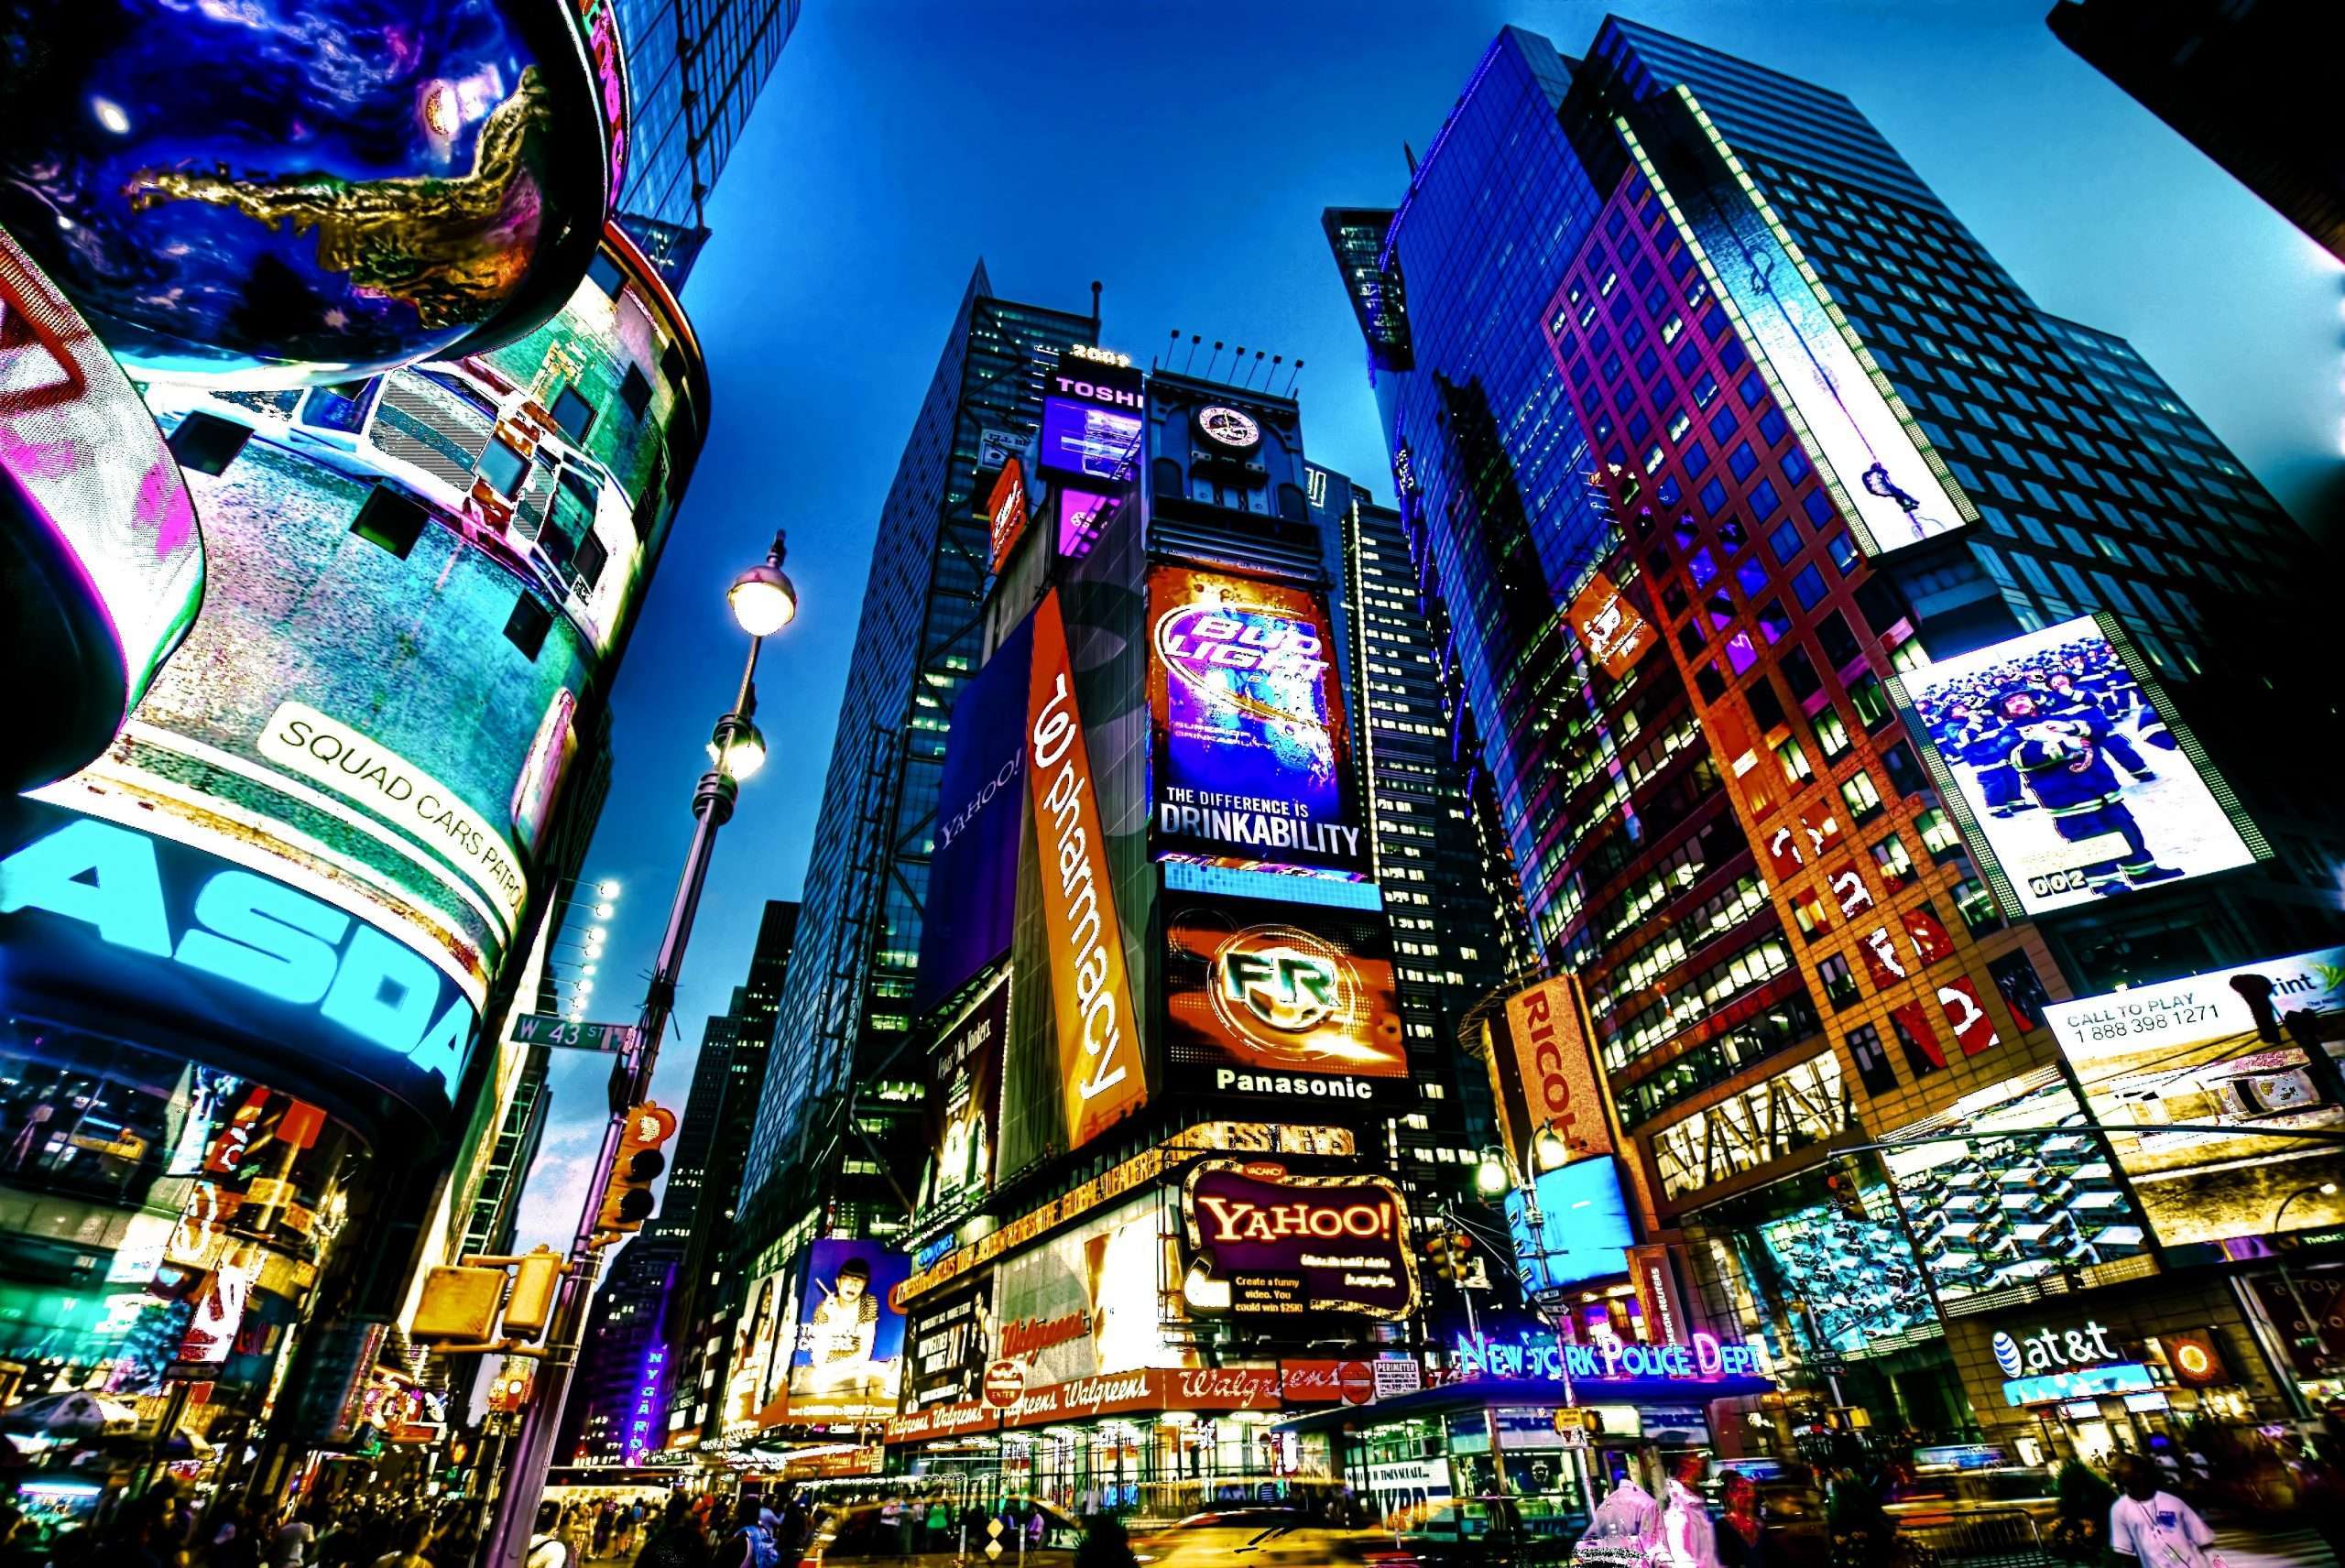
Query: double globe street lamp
column 763, row 601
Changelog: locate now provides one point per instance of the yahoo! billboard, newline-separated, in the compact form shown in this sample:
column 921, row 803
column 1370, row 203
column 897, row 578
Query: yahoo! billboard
column 1252, row 759
column 972, row 876
column 1290, row 1246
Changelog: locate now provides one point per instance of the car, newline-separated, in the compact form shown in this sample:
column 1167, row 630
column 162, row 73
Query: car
column 929, row 1532
column 1490, row 1533
column 1271, row 1537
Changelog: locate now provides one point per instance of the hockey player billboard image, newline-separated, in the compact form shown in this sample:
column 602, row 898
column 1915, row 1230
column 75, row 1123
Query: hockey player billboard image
column 2069, row 771
column 1252, row 756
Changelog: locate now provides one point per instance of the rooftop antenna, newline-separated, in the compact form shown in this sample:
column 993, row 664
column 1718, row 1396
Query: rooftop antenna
column 1291, row 376
column 1215, row 360
column 1409, row 153
column 1194, row 339
column 1253, row 367
column 1168, row 352
column 1276, row 360
column 1095, row 310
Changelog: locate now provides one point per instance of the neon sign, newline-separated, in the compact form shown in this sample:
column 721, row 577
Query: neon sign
column 2051, row 1350
column 1538, row 1354
column 647, row 1403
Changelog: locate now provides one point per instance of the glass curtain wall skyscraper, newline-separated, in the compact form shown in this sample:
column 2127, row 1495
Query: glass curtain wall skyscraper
column 1686, row 641
column 695, row 70
column 838, row 1126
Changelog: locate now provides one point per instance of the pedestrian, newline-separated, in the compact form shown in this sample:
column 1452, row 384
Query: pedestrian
column 677, row 1540
column 1742, row 1542
column 2153, row 1527
column 407, row 1542
column 1853, row 1517
column 294, row 1536
column 754, row 1542
column 603, row 1520
column 1687, row 1539
column 546, row 1547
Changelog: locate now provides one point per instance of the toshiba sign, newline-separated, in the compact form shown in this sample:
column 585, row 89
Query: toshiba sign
column 1543, row 1076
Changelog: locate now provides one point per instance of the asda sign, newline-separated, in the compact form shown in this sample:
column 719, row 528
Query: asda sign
column 137, row 928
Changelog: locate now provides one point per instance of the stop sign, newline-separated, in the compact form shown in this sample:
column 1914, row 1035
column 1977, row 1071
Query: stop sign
column 1355, row 1380
column 1005, row 1380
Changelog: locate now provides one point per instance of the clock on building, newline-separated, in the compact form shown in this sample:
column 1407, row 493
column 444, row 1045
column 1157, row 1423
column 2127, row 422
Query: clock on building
column 1228, row 427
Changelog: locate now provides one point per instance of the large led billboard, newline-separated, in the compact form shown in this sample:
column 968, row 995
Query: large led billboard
column 1582, row 1231
column 1297, row 1247
column 1252, row 756
column 1095, row 418
column 1613, row 630
column 1101, row 1079
column 101, row 562
column 1287, row 1002
column 1092, row 1301
column 973, row 876
column 2192, row 1054
column 964, row 1103
column 2001, row 1204
column 2072, row 780
column 1882, row 471
column 846, row 1363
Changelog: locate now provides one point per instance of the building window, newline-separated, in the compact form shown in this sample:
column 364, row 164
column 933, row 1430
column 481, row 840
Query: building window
column 1872, row 703
column 1939, row 834
column 1831, row 735
column 1839, row 982
column 390, row 519
column 1863, row 801
column 1977, row 907
column 572, row 414
column 1897, row 865
column 1873, row 1069
column 1794, row 761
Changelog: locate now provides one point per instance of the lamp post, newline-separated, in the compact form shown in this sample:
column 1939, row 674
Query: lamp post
column 2288, row 1283
column 763, row 601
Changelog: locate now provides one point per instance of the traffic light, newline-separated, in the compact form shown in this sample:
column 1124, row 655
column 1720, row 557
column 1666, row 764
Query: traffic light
column 511, row 1389
column 627, row 1202
column 1840, row 1189
column 1447, row 1251
column 537, row 1276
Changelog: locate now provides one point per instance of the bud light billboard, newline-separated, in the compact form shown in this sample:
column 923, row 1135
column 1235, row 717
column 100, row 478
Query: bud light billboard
column 973, row 872
column 1286, row 1002
column 1252, row 759
column 2057, row 750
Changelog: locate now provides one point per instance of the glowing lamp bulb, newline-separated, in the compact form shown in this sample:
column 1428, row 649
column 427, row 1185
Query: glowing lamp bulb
column 764, row 599
column 606, row 889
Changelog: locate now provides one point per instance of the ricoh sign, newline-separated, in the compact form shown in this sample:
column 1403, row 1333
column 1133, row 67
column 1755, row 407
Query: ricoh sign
column 1543, row 1076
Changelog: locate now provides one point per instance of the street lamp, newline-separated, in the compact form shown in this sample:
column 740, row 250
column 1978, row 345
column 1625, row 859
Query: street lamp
column 2288, row 1283
column 763, row 601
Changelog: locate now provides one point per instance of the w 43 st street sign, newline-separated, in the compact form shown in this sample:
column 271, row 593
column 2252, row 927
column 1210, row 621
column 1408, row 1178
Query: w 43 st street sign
column 544, row 1028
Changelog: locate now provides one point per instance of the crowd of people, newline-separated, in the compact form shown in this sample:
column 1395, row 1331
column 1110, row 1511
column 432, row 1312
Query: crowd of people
column 683, row 1531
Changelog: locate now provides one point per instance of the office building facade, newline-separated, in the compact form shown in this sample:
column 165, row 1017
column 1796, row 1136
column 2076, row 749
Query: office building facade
column 695, row 70
column 835, row 1137
column 1772, row 518
column 2244, row 84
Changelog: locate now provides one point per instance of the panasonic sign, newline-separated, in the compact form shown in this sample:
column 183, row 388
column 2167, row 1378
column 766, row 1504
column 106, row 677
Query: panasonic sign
column 82, row 900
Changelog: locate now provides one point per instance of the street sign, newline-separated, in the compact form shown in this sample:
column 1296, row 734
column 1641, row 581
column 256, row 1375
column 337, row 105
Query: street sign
column 544, row 1028
column 1005, row 1380
column 1355, row 1382
column 1395, row 1376
column 1575, row 1418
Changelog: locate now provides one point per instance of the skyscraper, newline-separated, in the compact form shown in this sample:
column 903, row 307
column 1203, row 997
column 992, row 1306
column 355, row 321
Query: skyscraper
column 836, row 1125
column 1458, row 929
column 2246, row 84
column 696, row 69
column 1771, row 512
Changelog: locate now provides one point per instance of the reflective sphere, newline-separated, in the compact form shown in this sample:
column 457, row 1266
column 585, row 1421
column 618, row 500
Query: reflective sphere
column 273, row 191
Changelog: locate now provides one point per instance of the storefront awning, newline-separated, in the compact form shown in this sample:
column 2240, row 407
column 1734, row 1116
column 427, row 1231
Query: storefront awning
column 1527, row 1393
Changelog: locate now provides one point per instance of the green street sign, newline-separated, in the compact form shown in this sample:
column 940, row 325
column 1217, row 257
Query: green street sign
column 544, row 1028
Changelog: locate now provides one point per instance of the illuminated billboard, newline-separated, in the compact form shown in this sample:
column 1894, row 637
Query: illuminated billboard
column 2191, row 1053
column 114, row 923
column 1252, row 753
column 2002, row 1203
column 846, row 1363
column 964, row 1103
column 1095, row 418
column 1542, row 1074
column 1612, row 629
column 101, row 564
column 1284, row 1001
column 1880, row 467
column 1090, row 1301
column 1005, row 510
column 1100, row 1075
column 2072, row 780
column 1288, row 1246
column 948, row 1339
column 1583, row 1232
column 973, row 876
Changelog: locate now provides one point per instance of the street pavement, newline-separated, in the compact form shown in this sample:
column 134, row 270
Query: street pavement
column 2243, row 1548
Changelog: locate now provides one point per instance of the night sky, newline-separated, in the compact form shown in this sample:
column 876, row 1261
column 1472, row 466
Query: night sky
column 1181, row 155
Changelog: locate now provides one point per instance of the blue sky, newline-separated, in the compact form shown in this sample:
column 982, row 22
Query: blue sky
column 1181, row 154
